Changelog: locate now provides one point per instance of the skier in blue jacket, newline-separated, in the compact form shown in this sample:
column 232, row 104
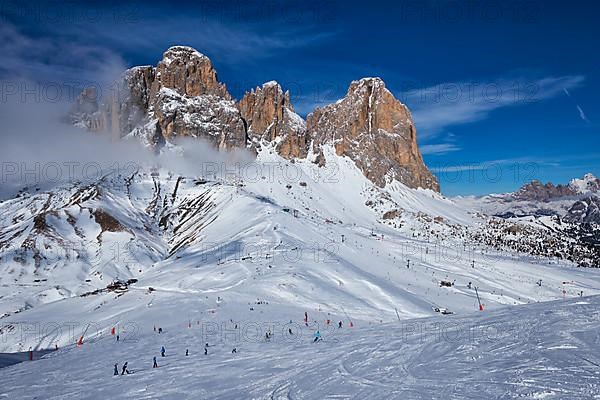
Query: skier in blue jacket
column 317, row 336
column 162, row 351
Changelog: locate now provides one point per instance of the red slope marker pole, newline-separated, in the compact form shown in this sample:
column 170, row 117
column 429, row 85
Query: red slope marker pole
column 478, row 300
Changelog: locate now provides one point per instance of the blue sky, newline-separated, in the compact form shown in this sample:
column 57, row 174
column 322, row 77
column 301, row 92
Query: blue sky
column 501, row 92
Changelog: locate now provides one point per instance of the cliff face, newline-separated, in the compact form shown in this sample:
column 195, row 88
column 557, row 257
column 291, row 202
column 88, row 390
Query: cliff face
column 586, row 210
column 182, row 97
column 270, row 118
column 376, row 131
column 189, row 73
column 187, row 100
column 537, row 191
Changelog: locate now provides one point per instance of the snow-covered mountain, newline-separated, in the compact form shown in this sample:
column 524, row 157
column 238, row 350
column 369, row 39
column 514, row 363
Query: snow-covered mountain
column 536, row 198
column 335, row 218
column 588, row 184
column 320, row 239
column 182, row 97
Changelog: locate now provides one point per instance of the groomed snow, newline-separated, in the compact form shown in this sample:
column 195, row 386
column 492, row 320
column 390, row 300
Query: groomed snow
column 289, row 238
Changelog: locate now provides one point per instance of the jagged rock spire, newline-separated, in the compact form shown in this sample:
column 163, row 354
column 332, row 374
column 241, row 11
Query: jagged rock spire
column 376, row 131
column 270, row 117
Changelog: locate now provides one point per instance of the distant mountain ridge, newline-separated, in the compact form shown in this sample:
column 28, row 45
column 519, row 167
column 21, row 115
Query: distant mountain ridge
column 574, row 202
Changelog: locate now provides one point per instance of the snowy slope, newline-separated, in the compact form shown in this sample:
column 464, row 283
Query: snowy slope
column 274, row 236
column 258, row 249
column 537, row 351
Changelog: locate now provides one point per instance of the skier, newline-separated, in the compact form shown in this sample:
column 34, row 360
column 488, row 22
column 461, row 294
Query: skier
column 117, row 338
column 317, row 336
column 234, row 350
column 116, row 369
column 187, row 352
column 206, row 351
column 340, row 325
column 159, row 330
column 290, row 331
column 469, row 285
column 125, row 370
column 162, row 351
column 154, row 363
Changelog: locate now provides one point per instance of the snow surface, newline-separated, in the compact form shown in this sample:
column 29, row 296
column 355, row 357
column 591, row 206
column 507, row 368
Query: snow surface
column 547, row 350
column 588, row 184
column 260, row 250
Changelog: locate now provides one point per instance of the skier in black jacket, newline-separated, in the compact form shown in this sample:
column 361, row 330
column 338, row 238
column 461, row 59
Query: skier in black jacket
column 125, row 370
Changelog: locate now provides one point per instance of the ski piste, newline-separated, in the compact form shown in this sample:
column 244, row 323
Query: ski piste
column 372, row 361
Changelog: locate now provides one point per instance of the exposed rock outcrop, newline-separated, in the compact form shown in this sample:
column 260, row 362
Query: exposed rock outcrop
column 270, row 118
column 586, row 210
column 86, row 112
column 376, row 131
column 537, row 191
column 189, row 73
column 182, row 97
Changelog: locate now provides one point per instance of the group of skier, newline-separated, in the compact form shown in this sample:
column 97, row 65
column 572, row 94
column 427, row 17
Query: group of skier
column 268, row 337
column 123, row 371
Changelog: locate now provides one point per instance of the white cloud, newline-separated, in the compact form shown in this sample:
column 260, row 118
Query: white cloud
column 582, row 114
column 55, row 59
column 438, row 107
column 439, row 148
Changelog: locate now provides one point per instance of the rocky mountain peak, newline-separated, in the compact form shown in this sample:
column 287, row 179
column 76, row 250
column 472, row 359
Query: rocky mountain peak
column 376, row 131
column 586, row 210
column 270, row 117
column 588, row 184
column 375, row 84
column 189, row 73
column 182, row 96
column 538, row 191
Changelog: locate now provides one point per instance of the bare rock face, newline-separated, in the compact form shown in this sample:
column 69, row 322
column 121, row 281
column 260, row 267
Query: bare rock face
column 270, row 118
column 187, row 100
column 189, row 73
column 376, row 131
column 180, row 97
column 586, row 210
column 207, row 117
column 128, row 107
column 536, row 190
